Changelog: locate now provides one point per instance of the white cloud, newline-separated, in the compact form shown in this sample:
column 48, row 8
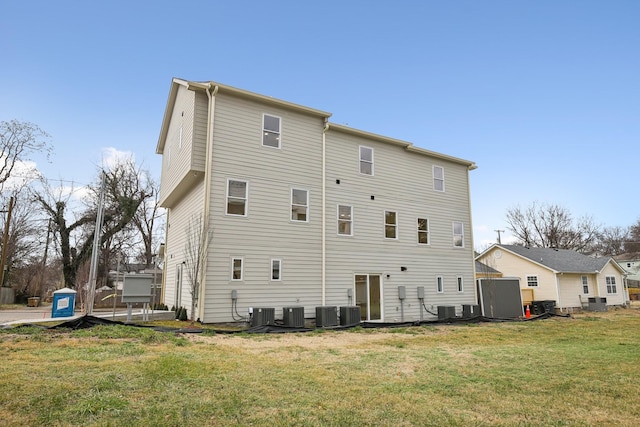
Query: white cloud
column 112, row 156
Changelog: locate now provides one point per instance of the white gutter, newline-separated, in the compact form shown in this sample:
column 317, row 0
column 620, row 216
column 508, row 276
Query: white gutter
column 324, row 213
column 211, row 95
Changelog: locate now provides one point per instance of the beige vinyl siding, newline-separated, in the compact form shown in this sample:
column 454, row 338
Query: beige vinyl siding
column 178, row 221
column 402, row 183
column 183, row 160
column 267, row 231
column 612, row 299
column 511, row 265
column 570, row 288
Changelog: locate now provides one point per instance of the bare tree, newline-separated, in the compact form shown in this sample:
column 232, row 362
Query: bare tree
column 552, row 226
column 611, row 241
column 632, row 245
column 195, row 250
column 18, row 140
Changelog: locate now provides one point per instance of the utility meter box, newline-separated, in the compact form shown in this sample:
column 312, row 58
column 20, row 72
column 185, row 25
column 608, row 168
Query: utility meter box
column 137, row 288
column 64, row 303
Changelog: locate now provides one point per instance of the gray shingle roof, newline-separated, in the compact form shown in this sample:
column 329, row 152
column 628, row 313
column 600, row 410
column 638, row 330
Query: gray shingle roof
column 561, row 260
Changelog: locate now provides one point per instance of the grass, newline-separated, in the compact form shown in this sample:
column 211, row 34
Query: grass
column 578, row 371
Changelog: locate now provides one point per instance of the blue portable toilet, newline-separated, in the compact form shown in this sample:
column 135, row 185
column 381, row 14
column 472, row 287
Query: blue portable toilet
column 64, row 303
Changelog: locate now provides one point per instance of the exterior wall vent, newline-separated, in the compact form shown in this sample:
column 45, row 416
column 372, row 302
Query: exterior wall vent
column 446, row 312
column 293, row 316
column 350, row 315
column 263, row 316
column 326, row 316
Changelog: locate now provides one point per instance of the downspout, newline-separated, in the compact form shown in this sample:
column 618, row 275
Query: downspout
column 473, row 257
column 558, row 290
column 324, row 213
column 211, row 92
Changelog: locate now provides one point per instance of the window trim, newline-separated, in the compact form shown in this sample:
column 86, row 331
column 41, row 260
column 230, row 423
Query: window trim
column 279, row 261
column 350, row 220
column 246, row 198
column 233, row 262
column 291, row 205
column 278, row 133
column 612, row 286
column 427, row 231
column 453, row 229
column 433, row 171
column 460, row 282
column 534, row 278
column 360, row 160
column 395, row 225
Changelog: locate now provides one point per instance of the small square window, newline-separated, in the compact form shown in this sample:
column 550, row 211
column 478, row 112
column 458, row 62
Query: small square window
column 532, row 281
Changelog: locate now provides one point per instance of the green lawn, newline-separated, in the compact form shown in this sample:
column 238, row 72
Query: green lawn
column 561, row 371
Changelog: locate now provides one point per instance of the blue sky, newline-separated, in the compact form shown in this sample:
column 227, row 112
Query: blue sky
column 543, row 95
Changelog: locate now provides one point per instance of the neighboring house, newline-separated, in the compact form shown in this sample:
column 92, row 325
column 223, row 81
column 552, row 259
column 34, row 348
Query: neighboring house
column 304, row 212
column 631, row 264
column 560, row 275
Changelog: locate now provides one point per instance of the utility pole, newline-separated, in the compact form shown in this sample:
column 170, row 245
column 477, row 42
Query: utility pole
column 5, row 242
column 499, row 231
column 97, row 235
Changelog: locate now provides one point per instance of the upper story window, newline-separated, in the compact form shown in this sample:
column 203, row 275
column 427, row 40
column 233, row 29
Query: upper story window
column 237, row 197
column 458, row 234
column 390, row 224
column 532, row 281
column 270, row 131
column 423, row 231
column 611, row 285
column 585, row 285
column 299, row 205
column 438, row 178
column 345, row 220
column 366, row 160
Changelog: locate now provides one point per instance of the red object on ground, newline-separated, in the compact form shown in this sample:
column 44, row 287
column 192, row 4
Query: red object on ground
column 527, row 313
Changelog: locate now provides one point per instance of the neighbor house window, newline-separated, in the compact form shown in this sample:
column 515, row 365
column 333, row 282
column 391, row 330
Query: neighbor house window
column 345, row 220
column 390, row 224
column 299, row 205
column 460, row 284
column 423, row 231
column 458, row 235
column 237, row 197
column 532, row 281
column 276, row 269
column 585, row 285
column 439, row 284
column 237, row 268
column 611, row 285
column 270, row 131
column 438, row 178
column 366, row 160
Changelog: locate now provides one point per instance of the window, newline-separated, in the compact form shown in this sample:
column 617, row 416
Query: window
column 460, row 284
column 236, row 268
column 458, row 235
column 299, row 205
column 439, row 285
column 345, row 220
column 236, row 197
column 611, row 285
column 532, row 281
column 438, row 178
column 585, row 285
column 423, row 231
column 270, row 131
column 390, row 225
column 276, row 269
column 366, row 160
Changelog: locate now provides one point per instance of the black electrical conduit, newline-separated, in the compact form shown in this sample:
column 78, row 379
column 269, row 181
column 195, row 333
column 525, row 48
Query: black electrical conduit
column 89, row 321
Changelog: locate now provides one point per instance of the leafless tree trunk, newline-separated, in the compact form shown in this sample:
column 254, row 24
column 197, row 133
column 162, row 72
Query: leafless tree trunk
column 195, row 249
